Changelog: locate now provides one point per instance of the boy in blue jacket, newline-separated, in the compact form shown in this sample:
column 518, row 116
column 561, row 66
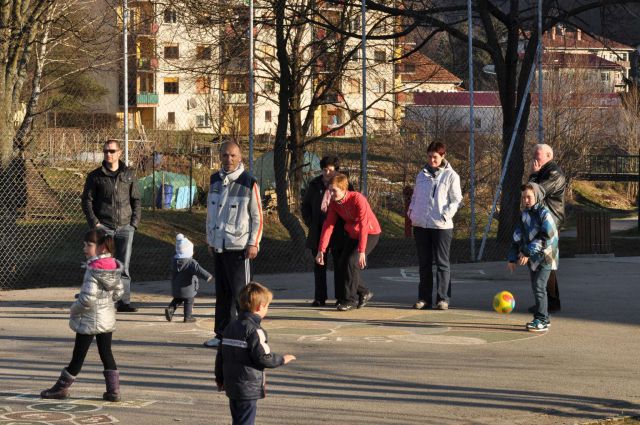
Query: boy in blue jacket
column 535, row 243
column 244, row 354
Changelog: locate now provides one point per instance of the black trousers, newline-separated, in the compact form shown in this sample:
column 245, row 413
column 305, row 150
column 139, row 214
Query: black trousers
column 232, row 272
column 347, row 265
column 243, row 412
column 81, row 347
column 433, row 246
column 188, row 305
column 320, row 277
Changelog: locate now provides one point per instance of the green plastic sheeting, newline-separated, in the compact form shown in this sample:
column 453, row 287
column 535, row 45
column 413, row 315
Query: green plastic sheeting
column 180, row 183
column 263, row 170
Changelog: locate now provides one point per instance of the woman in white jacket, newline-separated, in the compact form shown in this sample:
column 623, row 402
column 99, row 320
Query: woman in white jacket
column 436, row 198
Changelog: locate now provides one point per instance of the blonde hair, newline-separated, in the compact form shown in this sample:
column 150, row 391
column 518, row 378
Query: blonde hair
column 253, row 296
column 341, row 181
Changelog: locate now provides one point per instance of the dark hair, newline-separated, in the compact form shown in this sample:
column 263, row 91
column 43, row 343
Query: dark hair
column 117, row 142
column 527, row 186
column 100, row 238
column 253, row 295
column 330, row 160
column 438, row 147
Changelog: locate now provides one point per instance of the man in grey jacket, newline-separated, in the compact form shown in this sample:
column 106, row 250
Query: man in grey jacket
column 111, row 201
column 234, row 230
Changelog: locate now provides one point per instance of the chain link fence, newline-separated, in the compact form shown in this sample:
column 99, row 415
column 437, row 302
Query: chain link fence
column 43, row 223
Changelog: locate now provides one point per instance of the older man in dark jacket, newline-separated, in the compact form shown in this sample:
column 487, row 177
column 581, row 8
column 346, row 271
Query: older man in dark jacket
column 111, row 200
column 548, row 174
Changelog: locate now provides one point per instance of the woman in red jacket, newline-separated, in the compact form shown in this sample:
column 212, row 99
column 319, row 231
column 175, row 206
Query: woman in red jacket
column 364, row 233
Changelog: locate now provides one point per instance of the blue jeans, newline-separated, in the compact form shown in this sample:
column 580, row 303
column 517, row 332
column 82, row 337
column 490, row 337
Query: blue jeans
column 123, row 238
column 539, row 286
column 243, row 412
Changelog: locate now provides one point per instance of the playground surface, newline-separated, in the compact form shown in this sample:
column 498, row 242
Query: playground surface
column 384, row 364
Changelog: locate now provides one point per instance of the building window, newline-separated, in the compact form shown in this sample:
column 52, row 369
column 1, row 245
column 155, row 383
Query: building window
column 203, row 52
column 604, row 76
column 203, row 84
column 172, row 52
column 354, row 86
column 477, row 123
column 171, row 118
column 171, row 85
column 170, row 16
column 203, row 121
column 379, row 56
column 381, row 86
column 269, row 86
column 267, row 116
column 355, row 56
column 409, row 68
column 623, row 57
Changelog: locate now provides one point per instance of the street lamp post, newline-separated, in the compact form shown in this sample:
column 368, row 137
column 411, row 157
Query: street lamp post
column 125, row 94
column 363, row 153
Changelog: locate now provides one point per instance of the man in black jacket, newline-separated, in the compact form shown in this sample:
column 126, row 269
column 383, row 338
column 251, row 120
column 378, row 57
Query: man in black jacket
column 314, row 212
column 548, row 174
column 111, row 200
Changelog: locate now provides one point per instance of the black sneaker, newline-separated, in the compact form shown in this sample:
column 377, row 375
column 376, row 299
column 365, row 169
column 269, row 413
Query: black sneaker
column 168, row 313
column 189, row 319
column 317, row 303
column 346, row 306
column 126, row 308
column 364, row 299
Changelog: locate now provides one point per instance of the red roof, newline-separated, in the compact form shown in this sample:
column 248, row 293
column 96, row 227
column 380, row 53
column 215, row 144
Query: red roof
column 572, row 60
column 578, row 40
column 425, row 70
column 492, row 99
column 481, row 98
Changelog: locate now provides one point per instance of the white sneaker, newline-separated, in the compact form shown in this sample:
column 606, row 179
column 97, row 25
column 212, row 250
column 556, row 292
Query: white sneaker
column 442, row 305
column 213, row 342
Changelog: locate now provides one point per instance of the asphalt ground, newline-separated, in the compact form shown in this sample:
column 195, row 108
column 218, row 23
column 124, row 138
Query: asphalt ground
column 384, row 364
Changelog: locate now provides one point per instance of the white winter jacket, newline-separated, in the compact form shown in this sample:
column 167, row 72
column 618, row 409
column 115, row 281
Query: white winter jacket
column 436, row 199
column 93, row 311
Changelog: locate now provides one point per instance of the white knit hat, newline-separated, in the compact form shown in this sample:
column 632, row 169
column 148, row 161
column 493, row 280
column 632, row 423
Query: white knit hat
column 184, row 247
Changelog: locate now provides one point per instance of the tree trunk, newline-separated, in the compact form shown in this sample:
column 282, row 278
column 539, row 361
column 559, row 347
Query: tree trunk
column 280, row 149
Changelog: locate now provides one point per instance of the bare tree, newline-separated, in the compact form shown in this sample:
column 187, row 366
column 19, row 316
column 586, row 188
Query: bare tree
column 507, row 32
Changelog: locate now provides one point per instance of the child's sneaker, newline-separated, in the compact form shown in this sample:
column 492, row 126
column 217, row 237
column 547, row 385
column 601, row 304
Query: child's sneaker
column 537, row 325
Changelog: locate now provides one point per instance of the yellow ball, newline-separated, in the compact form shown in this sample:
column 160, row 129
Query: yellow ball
column 504, row 302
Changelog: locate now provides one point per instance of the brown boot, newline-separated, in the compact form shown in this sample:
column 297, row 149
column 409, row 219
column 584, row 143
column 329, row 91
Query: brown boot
column 112, row 379
column 60, row 389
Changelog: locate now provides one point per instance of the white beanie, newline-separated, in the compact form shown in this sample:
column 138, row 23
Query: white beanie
column 184, row 247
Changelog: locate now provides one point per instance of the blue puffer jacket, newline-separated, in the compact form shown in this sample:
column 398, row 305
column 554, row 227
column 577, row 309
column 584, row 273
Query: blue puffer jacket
column 242, row 357
column 536, row 236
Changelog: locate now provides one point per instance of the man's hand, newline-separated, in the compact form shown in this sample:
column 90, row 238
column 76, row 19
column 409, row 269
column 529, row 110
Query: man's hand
column 535, row 166
column 320, row 258
column 511, row 267
column 289, row 358
column 252, row 252
column 522, row 260
column 362, row 260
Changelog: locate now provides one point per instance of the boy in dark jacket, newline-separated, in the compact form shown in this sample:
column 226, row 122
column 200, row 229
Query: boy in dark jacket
column 185, row 272
column 244, row 354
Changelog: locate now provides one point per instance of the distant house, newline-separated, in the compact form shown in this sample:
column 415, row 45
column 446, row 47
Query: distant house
column 575, row 42
column 437, row 113
column 418, row 73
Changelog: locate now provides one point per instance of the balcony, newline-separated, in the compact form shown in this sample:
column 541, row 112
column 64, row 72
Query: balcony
column 235, row 98
column 146, row 28
column 145, row 98
column 147, row 64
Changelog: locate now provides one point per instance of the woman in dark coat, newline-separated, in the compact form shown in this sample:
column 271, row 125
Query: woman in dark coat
column 314, row 212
